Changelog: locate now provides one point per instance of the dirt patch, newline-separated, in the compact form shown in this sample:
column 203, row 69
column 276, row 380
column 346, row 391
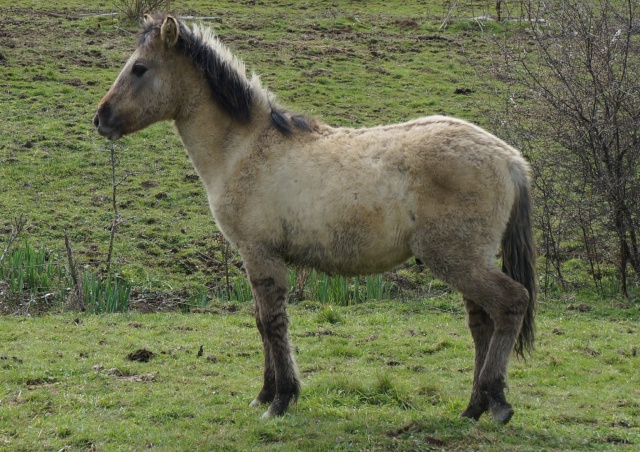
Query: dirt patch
column 15, row 359
column 415, row 427
column 125, row 376
column 317, row 333
column 591, row 352
column 407, row 24
column 142, row 355
column 613, row 439
column 582, row 307
column 75, row 82
column 40, row 381
column 463, row 91
column 149, row 184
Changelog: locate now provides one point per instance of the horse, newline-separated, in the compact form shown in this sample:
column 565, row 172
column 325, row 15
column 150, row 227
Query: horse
column 289, row 189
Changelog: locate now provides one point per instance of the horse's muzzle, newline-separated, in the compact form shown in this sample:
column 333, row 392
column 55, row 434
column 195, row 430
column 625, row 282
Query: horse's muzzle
column 106, row 124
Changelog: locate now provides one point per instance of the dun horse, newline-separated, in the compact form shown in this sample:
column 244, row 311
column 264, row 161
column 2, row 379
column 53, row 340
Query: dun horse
column 289, row 189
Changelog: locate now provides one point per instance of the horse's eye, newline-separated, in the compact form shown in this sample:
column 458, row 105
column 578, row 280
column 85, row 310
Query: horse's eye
column 138, row 70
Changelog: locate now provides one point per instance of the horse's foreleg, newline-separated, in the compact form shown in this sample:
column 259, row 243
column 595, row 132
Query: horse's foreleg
column 268, row 391
column 481, row 327
column 268, row 279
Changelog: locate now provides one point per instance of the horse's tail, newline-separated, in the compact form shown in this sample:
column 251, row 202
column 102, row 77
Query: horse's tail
column 519, row 255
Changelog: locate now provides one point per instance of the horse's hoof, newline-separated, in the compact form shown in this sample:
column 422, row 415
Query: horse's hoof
column 266, row 415
column 502, row 414
column 472, row 413
column 255, row 403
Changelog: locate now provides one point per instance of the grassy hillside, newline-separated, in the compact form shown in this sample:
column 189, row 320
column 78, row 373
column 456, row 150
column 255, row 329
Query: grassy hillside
column 377, row 376
column 349, row 63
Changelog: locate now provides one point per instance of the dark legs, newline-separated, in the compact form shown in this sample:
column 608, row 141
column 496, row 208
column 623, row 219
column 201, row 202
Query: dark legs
column 481, row 327
column 495, row 318
column 268, row 279
column 268, row 391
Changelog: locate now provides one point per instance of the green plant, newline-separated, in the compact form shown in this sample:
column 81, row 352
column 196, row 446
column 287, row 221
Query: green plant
column 343, row 291
column 329, row 315
column 30, row 275
column 107, row 295
column 237, row 288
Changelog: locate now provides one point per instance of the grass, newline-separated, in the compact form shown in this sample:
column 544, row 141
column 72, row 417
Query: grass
column 32, row 282
column 378, row 375
column 349, row 64
column 388, row 375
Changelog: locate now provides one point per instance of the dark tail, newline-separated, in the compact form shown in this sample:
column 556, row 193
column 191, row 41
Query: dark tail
column 519, row 260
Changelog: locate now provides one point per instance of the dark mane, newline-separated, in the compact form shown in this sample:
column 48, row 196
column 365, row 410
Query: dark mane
column 229, row 86
column 287, row 123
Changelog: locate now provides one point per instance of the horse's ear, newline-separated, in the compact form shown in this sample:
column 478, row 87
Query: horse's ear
column 170, row 31
column 147, row 19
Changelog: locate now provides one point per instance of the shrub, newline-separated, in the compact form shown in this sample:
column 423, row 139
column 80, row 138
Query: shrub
column 134, row 9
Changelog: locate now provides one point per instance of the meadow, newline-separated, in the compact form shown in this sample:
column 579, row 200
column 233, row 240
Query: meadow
column 376, row 376
column 177, row 371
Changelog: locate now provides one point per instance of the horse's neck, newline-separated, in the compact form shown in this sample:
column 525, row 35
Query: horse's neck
column 214, row 142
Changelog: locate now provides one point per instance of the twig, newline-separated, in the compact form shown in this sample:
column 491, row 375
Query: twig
column 446, row 19
column 114, row 186
column 74, row 273
column 225, row 260
column 16, row 228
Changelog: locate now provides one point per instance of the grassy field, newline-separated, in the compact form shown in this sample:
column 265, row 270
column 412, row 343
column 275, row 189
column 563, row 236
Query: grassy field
column 345, row 62
column 377, row 376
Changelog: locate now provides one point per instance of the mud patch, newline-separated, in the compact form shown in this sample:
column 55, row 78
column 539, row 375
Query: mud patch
column 126, row 376
column 582, row 307
column 415, row 427
column 317, row 333
column 40, row 381
column 613, row 439
column 14, row 359
column 142, row 355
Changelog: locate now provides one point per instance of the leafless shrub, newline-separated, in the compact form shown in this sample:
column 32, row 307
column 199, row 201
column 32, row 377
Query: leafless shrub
column 134, row 9
column 572, row 104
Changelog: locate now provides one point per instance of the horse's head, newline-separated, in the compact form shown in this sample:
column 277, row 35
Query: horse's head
column 147, row 90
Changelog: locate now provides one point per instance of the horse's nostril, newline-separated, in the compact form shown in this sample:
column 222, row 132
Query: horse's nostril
column 96, row 120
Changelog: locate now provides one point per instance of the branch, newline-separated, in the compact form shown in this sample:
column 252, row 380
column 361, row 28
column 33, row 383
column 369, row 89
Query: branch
column 74, row 273
column 114, row 186
column 16, row 228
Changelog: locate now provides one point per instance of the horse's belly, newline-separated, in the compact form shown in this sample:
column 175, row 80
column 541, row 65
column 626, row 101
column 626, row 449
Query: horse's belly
column 349, row 254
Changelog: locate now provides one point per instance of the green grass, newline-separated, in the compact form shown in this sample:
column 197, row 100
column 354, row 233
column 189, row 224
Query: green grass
column 33, row 281
column 348, row 63
column 378, row 375
column 388, row 375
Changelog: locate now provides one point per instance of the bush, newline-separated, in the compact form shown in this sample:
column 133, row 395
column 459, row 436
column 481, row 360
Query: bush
column 135, row 9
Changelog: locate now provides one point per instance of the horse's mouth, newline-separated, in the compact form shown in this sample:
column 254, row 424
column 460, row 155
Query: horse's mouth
column 112, row 133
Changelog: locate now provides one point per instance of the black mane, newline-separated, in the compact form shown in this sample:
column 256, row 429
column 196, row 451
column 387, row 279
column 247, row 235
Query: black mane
column 229, row 87
column 287, row 122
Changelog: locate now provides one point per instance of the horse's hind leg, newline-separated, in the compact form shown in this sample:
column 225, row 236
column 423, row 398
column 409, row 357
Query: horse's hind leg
column 481, row 327
column 505, row 301
column 268, row 279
